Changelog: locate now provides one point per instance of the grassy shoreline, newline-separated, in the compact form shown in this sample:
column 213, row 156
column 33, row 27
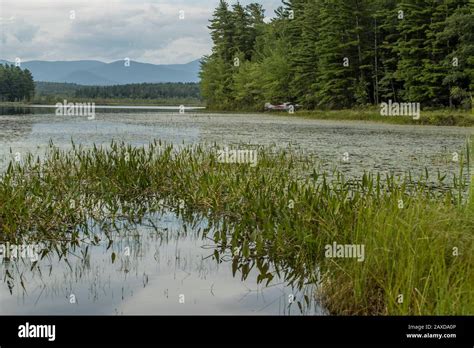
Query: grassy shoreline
column 440, row 117
column 270, row 216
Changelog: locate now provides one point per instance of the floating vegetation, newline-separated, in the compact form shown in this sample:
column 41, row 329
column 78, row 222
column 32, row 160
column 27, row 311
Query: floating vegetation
column 278, row 215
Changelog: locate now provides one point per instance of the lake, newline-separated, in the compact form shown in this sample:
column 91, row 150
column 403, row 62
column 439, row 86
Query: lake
column 165, row 266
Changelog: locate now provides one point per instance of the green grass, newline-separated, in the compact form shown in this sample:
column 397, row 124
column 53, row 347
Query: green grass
column 470, row 164
column 409, row 250
column 441, row 117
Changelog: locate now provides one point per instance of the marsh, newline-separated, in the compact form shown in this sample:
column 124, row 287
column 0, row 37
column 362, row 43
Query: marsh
column 169, row 257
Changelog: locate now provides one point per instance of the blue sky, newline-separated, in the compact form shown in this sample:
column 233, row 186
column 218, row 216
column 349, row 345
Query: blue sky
column 108, row 30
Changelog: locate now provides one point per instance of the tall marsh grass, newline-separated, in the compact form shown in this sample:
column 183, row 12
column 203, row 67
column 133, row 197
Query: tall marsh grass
column 418, row 241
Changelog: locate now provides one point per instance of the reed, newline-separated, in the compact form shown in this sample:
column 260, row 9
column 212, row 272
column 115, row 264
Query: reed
column 418, row 241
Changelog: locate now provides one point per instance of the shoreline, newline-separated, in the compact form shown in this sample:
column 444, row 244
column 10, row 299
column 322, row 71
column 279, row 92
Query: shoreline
column 310, row 218
column 436, row 117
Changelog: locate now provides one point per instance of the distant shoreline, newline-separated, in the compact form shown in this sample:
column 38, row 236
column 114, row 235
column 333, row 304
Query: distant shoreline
column 108, row 103
column 135, row 107
column 434, row 117
column 439, row 117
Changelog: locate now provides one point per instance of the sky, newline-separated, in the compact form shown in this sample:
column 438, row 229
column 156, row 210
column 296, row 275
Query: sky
column 148, row 31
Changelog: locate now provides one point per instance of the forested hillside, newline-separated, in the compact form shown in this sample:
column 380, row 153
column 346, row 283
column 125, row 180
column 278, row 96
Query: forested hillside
column 341, row 53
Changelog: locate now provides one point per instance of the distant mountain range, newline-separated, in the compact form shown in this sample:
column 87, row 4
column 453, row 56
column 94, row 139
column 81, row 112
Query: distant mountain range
column 92, row 72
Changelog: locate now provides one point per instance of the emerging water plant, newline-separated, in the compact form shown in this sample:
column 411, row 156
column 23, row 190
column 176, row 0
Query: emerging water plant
column 417, row 241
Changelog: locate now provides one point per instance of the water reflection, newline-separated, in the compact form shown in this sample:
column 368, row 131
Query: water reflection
column 16, row 110
column 151, row 263
column 163, row 265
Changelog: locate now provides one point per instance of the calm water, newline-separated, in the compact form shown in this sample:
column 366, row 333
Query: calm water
column 162, row 266
column 377, row 147
column 168, row 262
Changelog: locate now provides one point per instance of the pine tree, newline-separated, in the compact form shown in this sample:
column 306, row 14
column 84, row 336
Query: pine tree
column 412, row 49
column 240, row 34
column 305, row 57
column 256, row 26
column 338, row 59
column 437, row 66
column 458, row 33
column 292, row 32
column 222, row 32
column 216, row 70
column 248, row 92
column 216, row 82
column 386, row 35
column 342, row 53
column 15, row 84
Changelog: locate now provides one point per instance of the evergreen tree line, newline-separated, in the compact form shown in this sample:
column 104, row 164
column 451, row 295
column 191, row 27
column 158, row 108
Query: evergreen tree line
column 141, row 91
column 15, row 84
column 341, row 53
column 61, row 89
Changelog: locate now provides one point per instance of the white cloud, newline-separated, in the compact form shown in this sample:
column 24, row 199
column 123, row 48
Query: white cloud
column 107, row 30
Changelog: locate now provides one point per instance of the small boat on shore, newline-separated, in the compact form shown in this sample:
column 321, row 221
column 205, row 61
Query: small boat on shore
column 281, row 107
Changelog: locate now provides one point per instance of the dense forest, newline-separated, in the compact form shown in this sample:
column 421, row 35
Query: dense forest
column 15, row 84
column 141, row 91
column 61, row 89
column 341, row 53
column 50, row 92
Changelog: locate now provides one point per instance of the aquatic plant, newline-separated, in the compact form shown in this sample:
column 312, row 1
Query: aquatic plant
column 417, row 240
